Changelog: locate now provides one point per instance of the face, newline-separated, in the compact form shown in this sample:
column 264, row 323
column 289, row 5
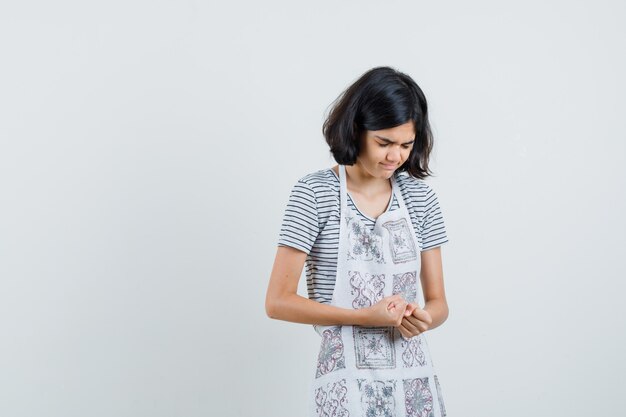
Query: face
column 384, row 151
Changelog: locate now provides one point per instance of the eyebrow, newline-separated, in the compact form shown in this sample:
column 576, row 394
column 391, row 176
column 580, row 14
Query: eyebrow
column 390, row 141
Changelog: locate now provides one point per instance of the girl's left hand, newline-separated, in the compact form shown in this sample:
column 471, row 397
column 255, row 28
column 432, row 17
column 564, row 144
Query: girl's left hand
column 415, row 321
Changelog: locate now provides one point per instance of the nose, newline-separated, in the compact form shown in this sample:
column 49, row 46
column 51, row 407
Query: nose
column 393, row 155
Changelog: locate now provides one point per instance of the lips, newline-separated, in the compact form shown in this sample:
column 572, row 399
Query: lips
column 389, row 166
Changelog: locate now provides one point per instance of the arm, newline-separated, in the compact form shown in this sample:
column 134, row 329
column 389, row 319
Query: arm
column 431, row 276
column 283, row 303
column 435, row 310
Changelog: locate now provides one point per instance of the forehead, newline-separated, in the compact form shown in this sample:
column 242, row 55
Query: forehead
column 403, row 133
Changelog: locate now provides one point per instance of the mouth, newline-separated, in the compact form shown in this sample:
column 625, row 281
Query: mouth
column 389, row 167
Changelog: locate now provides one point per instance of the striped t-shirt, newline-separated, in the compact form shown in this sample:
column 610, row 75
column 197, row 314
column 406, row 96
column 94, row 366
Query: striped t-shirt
column 311, row 223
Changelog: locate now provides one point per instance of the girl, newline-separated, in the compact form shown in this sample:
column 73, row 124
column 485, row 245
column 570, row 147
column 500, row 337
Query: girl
column 370, row 231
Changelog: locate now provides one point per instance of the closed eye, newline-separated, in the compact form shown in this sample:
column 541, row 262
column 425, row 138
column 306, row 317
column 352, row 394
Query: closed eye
column 383, row 145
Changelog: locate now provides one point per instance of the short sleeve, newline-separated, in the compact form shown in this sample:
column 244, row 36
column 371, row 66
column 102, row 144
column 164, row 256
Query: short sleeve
column 300, row 226
column 432, row 225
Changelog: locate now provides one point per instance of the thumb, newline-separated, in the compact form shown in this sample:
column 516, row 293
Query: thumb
column 410, row 308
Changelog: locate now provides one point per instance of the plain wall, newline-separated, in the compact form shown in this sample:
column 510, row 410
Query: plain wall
column 147, row 151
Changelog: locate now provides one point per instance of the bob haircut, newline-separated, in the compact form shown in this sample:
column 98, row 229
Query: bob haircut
column 381, row 98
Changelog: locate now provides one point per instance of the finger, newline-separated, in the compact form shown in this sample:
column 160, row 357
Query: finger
column 423, row 316
column 413, row 330
column 404, row 332
column 408, row 333
column 417, row 324
column 409, row 309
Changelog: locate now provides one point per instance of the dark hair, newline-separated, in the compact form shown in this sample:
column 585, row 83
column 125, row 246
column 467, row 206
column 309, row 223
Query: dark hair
column 381, row 98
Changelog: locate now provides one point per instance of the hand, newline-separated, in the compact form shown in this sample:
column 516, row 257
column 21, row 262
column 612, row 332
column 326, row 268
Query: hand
column 415, row 321
column 387, row 312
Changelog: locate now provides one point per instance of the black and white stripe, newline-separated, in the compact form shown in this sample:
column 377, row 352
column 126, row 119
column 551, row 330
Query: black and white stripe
column 311, row 223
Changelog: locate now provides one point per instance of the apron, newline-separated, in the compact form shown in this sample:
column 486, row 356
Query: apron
column 374, row 371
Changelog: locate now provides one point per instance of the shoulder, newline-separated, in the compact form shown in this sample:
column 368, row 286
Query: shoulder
column 320, row 189
column 413, row 189
column 320, row 183
column 321, row 177
column 423, row 206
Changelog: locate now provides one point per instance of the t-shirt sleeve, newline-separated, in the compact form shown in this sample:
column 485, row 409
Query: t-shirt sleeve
column 300, row 226
column 432, row 225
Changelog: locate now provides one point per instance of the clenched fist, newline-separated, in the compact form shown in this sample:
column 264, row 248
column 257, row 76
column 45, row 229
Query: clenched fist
column 389, row 311
column 414, row 321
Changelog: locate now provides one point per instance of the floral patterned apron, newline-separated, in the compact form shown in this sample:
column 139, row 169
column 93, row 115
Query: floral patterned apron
column 374, row 371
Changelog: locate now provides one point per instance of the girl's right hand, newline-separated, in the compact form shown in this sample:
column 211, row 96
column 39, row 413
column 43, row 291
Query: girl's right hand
column 387, row 312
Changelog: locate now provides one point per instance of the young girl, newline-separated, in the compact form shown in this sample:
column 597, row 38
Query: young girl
column 370, row 231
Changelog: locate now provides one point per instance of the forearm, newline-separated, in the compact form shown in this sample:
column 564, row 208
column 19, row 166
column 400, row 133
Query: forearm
column 298, row 309
column 438, row 310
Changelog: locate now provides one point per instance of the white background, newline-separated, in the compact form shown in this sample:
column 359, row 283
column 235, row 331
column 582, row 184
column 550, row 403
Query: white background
column 147, row 150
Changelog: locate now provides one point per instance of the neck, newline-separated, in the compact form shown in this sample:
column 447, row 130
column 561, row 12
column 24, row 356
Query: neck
column 360, row 179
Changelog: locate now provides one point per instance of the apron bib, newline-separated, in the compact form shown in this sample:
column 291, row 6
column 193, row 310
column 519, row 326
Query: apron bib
column 374, row 371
